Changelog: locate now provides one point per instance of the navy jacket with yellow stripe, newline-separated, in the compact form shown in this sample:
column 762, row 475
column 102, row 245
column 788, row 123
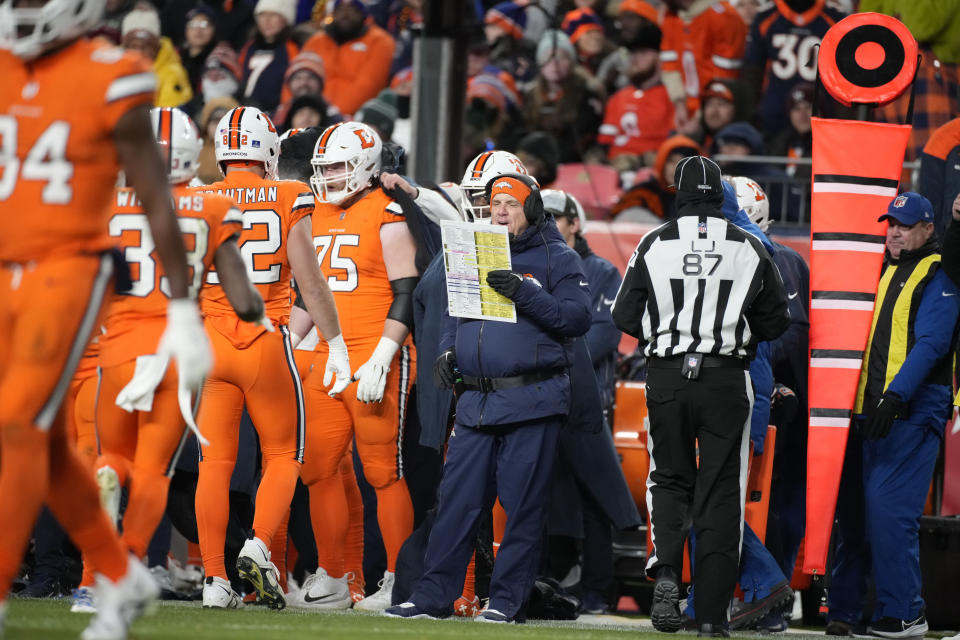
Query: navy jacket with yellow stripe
column 912, row 336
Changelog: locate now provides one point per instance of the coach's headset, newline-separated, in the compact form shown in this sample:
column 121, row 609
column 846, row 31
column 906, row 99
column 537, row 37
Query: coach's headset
column 532, row 206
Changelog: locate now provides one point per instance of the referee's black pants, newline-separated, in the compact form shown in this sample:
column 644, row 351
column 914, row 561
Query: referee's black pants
column 709, row 416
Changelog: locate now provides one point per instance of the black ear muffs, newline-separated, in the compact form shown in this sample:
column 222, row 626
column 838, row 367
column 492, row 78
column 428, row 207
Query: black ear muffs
column 532, row 206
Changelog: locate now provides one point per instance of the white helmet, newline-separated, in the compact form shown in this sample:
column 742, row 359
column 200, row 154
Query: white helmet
column 179, row 140
column 28, row 32
column 753, row 200
column 246, row 133
column 290, row 132
column 480, row 171
column 346, row 160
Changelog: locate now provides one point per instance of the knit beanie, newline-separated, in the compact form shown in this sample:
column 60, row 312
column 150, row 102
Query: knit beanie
column 380, row 112
column 141, row 20
column 305, row 61
column 286, row 8
column 554, row 40
column 509, row 16
column 578, row 22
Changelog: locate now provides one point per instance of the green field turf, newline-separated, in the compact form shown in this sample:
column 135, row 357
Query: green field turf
column 51, row 620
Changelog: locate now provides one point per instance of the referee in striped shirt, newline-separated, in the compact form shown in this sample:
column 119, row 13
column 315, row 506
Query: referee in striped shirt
column 699, row 293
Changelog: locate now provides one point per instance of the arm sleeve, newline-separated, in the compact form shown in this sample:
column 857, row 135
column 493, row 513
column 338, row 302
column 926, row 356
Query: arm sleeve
column 435, row 206
column 628, row 307
column 609, row 128
column 761, row 374
column 933, row 333
column 564, row 311
column 768, row 316
column 603, row 336
column 132, row 85
column 448, row 337
column 727, row 55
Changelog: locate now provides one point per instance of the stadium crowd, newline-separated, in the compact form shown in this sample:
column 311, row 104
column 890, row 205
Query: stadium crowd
column 630, row 85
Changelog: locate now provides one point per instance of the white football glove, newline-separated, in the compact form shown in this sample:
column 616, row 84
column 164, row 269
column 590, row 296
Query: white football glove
column 186, row 342
column 372, row 376
column 338, row 364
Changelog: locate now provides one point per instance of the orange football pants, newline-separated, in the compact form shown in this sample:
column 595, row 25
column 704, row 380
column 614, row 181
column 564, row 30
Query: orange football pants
column 264, row 377
column 47, row 312
column 142, row 447
column 378, row 427
column 80, row 415
column 353, row 547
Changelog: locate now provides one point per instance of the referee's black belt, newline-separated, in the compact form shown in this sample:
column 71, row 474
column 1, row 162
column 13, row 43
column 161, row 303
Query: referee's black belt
column 709, row 362
column 486, row 385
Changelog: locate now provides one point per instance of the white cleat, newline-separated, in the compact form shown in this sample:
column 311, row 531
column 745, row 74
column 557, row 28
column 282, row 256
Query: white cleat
column 382, row 598
column 109, row 483
column 83, row 601
column 120, row 603
column 254, row 565
column 320, row 591
column 218, row 594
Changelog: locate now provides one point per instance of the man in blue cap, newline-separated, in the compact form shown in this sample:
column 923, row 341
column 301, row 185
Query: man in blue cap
column 903, row 402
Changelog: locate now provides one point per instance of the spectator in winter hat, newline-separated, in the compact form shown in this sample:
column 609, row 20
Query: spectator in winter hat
column 796, row 141
column 540, row 155
column 585, row 30
column 564, row 101
column 722, row 102
column 742, row 140
column 504, row 27
column 306, row 111
column 380, row 113
column 635, row 19
column 356, row 54
column 485, row 121
column 305, row 76
column 198, row 43
column 265, row 57
column 140, row 31
column 505, row 19
column 221, row 74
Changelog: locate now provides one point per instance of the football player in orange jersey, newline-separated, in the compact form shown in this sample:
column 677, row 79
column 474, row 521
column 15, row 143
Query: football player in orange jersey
column 294, row 164
column 71, row 111
column 367, row 252
column 139, row 422
column 253, row 367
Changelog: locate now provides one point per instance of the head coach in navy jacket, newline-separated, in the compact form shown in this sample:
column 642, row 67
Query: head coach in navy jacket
column 515, row 396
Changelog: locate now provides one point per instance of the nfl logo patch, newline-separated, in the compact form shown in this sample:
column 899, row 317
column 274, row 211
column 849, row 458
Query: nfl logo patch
column 900, row 201
column 691, row 361
column 255, row 144
column 701, row 227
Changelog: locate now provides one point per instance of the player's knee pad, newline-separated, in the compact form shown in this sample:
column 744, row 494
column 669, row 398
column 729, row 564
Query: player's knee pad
column 380, row 475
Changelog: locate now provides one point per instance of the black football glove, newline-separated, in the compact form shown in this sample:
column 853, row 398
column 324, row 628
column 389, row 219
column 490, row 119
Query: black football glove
column 880, row 420
column 444, row 369
column 504, row 282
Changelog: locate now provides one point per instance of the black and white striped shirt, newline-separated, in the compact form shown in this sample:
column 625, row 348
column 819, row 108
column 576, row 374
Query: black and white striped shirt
column 699, row 284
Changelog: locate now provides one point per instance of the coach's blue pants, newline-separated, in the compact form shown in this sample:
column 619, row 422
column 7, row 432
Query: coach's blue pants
column 481, row 466
column 759, row 571
column 882, row 492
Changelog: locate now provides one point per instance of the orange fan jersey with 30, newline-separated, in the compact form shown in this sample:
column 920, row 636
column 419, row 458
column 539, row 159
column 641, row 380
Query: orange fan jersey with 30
column 57, row 153
column 270, row 209
column 136, row 319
